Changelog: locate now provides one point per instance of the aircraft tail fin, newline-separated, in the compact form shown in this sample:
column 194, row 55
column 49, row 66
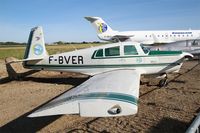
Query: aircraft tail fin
column 35, row 48
column 99, row 24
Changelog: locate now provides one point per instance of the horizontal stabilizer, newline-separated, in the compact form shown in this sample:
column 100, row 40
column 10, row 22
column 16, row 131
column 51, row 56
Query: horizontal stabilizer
column 113, row 93
column 23, row 60
column 91, row 19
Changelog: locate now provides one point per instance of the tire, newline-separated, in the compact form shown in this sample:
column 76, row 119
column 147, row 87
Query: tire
column 162, row 83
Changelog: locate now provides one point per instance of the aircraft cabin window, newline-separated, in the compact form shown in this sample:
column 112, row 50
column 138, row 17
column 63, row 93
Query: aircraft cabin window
column 114, row 51
column 130, row 50
column 145, row 49
column 99, row 53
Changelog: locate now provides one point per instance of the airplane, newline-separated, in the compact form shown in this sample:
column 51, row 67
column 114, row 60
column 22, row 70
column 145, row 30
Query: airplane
column 192, row 47
column 114, row 69
column 105, row 32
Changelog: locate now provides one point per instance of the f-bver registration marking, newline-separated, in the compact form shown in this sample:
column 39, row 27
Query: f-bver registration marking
column 66, row 59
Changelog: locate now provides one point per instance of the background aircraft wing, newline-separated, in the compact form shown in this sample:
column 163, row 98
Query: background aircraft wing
column 114, row 93
column 121, row 38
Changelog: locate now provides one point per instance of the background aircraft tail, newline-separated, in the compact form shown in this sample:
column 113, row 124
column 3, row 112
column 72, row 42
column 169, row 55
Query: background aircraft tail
column 35, row 49
column 99, row 25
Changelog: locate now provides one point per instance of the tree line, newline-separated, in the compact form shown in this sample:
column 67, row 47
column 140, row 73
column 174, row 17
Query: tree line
column 54, row 43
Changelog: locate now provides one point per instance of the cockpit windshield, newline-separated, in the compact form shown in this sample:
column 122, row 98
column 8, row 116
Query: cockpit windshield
column 145, row 49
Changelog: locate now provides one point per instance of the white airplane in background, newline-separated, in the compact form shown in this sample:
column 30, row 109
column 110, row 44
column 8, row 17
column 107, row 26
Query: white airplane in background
column 192, row 47
column 104, row 32
column 113, row 89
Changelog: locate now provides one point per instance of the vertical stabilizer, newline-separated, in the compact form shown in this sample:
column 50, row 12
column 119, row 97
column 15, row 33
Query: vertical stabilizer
column 99, row 25
column 36, row 46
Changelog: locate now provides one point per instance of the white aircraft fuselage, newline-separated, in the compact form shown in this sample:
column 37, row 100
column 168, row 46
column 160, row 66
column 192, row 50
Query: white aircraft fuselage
column 95, row 60
column 105, row 32
column 152, row 37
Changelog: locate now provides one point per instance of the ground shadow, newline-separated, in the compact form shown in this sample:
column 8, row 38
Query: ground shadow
column 31, row 125
column 75, row 81
column 13, row 75
column 169, row 125
column 24, row 124
column 69, row 80
column 87, row 124
column 178, row 81
column 56, row 79
column 187, row 71
column 17, row 76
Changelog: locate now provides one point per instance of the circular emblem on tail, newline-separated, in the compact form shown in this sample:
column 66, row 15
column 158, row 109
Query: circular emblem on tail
column 102, row 27
column 38, row 49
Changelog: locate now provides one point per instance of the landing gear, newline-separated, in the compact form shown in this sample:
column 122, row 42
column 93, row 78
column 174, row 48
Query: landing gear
column 163, row 82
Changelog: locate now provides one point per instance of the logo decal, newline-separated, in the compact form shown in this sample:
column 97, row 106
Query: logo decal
column 102, row 27
column 38, row 49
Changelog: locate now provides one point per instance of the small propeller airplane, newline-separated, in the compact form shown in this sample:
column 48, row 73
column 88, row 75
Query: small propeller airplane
column 115, row 70
column 106, row 33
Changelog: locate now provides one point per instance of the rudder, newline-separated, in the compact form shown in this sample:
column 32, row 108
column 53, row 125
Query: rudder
column 99, row 25
column 36, row 46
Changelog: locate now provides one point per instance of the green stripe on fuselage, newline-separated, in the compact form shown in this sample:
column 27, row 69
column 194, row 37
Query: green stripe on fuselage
column 164, row 53
column 100, row 66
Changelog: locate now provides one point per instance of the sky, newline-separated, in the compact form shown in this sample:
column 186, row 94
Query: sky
column 63, row 20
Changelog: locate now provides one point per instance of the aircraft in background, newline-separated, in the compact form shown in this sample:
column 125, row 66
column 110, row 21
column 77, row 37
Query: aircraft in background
column 192, row 47
column 115, row 70
column 104, row 32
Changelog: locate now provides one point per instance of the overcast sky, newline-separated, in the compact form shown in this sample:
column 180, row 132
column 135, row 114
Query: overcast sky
column 62, row 20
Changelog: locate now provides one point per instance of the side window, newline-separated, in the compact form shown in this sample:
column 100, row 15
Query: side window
column 114, row 51
column 130, row 50
column 99, row 53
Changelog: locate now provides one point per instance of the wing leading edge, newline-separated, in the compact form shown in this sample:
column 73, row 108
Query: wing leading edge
column 113, row 93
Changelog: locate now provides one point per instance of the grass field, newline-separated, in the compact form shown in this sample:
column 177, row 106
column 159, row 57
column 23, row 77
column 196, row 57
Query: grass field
column 18, row 51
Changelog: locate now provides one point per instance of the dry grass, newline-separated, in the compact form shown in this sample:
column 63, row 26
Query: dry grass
column 18, row 51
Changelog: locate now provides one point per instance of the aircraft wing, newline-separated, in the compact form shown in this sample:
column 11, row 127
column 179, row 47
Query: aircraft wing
column 113, row 93
column 121, row 37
